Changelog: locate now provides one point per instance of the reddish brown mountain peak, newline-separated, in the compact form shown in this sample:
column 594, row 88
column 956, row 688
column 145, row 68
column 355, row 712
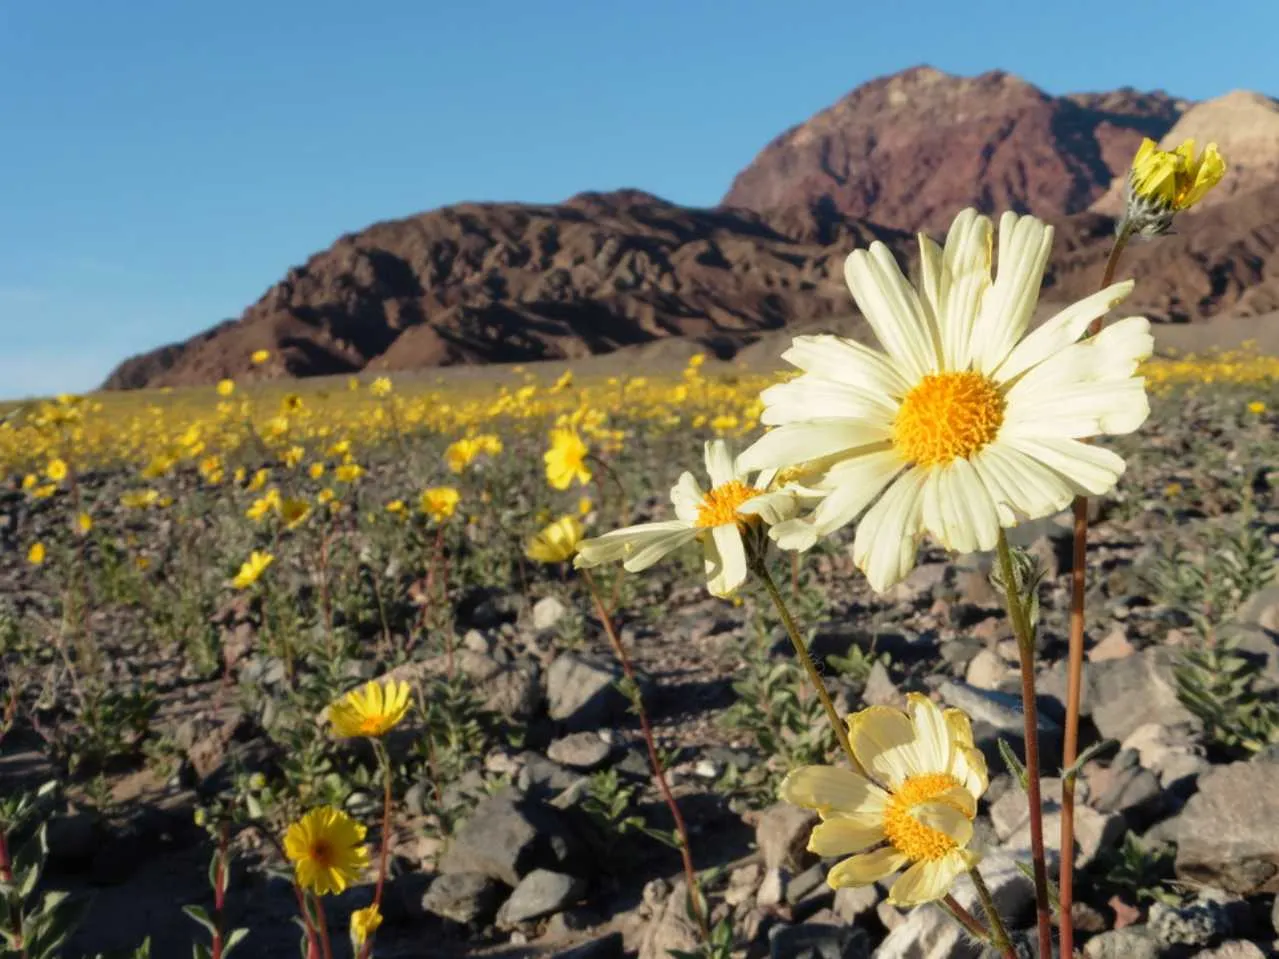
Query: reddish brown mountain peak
column 615, row 200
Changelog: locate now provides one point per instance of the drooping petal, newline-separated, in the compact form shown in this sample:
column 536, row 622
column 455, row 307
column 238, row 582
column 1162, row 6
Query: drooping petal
column 726, row 562
column 638, row 546
column 888, row 536
column 801, row 442
column 1006, row 309
column 854, row 483
column 777, row 506
column 1061, row 331
column 866, row 868
column 842, row 835
column 883, row 740
column 832, row 789
column 892, row 308
column 929, row 881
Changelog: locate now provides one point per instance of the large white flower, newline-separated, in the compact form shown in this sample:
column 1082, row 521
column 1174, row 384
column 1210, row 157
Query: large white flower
column 718, row 518
column 963, row 423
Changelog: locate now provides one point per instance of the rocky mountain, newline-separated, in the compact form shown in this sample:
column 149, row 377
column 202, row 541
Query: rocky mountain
column 910, row 149
column 506, row 282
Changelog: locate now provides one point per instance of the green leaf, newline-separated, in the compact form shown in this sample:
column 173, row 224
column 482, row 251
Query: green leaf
column 233, row 939
column 200, row 915
column 1013, row 763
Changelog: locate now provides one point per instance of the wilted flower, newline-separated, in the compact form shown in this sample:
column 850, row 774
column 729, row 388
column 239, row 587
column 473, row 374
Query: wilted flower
column 364, row 922
column 1163, row 183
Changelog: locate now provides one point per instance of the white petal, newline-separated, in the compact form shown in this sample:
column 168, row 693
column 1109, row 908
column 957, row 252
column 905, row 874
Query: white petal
column 807, row 396
column 892, row 308
column 965, row 278
column 958, row 509
column 725, row 560
column 1060, row 331
column 932, row 735
column 719, row 463
column 1111, row 356
column 801, row 442
column 640, row 546
column 1080, row 410
column 888, row 535
column 1022, row 487
column 847, row 361
column 1091, row 470
column 687, row 496
column 1006, row 309
column 773, row 508
column 854, row 484
column 930, row 277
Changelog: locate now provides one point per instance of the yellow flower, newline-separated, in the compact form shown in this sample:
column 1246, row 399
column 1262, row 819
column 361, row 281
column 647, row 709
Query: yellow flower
column 1172, row 490
column 459, row 454
column 1177, row 179
column 724, row 422
column 259, row 357
column 139, row 499
column 293, row 512
column 489, row 443
column 252, row 569
column 225, row 387
column 45, row 491
column 910, row 805
column 364, row 922
column 84, row 522
column 325, row 496
column 439, row 502
column 35, row 555
column 396, row 506
column 557, row 543
column 1257, row 407
column 258, row 481
column 263, row 505
column 29, row 481
column 563, row 383
column 326, row 847
column 566, row 459
column 584, row 505
column 348, row 472
column 380, row 387
column 56, row 470
column 372, row 710
column 292, row 456
column 315, row 470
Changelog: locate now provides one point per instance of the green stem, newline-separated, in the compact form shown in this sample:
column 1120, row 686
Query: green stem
column 801, row 652
column 998, row 932
column 1026, row 646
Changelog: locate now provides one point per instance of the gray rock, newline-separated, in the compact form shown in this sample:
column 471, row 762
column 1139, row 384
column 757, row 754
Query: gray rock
column 986, row 670
column 773, row 888
column 605, row 947
column 1234, row 949
column 1012, row 891
column 580, row 691
column 852, row 902
column 781, row 833
column 880, row 690
column 584, row 751
column 468, row 898
column 513, row 692
column 927, row 933
column 1134, row 691
column 742, row 883
column 817, row 941
column 920, row 584
column 540, row 893
column 1200, row 923
column 508, row 836
column 547, row 612
column 671, row 928
column 803, row 885
column 1262, row 609
column 538, row 774
column 1132, row 942
column 996, row 716
column 1173, row 753
column 1228, row 834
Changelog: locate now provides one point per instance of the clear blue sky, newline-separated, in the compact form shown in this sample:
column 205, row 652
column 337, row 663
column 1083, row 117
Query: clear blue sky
column 162, row 163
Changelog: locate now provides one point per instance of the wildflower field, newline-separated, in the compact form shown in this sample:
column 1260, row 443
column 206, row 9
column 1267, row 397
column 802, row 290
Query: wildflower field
column 354, row 663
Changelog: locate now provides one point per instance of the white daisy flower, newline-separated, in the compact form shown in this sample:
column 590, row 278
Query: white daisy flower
column 718, row 518
column 963, row 423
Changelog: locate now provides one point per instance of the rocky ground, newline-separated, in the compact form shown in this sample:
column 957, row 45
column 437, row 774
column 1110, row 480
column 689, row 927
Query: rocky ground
column 530, row 825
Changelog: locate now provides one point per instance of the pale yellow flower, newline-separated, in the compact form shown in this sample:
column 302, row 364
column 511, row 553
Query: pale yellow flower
column 910, row 806
column 557, row 542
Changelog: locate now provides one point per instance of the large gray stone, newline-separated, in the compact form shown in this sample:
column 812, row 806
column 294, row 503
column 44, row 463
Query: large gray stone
column 584, row 751
column 781, row 833
column 580, row 691
column 670, row 928
column 540, row 893
column 1234, row 949
column 548, row 611
column 508, row 836
column 1199, row 923
column 1228, row 834
column 1133, row 942
column 465, row 897
column 1134, row 691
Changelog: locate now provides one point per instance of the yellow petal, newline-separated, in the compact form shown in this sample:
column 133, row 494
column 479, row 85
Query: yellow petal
column 929, row 881
column 883, row 739
column 827, row 788
column 867, row 868
column 843, row 835
column 932, row 735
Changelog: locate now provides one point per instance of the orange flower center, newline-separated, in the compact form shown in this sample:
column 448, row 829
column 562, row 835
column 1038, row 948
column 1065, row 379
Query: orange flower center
column 909, row 836
column 371, row 725
column 719, row 508
column 322, row 853
column 948, row 416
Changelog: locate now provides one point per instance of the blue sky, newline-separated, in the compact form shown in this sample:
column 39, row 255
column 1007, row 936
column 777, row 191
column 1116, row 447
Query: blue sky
column 162, row 163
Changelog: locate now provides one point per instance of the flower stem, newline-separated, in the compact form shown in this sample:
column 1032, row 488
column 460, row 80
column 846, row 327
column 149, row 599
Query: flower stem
column 659, row 773
column 964, row 917
column 998, row 932
column 801, row 652
column 1075, row 667
column 322, row 926
column 384, row 760
column 1030, row 710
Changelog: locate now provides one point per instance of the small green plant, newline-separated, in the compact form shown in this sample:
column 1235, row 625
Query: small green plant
column 1219, row 687
column 1138, row 871
column 611, row 804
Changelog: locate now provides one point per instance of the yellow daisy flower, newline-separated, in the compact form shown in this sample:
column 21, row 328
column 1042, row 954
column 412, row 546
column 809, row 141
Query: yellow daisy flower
column 252, row 569
column 364, row 922
column 36, row 554
column 258, row 357
column 439, row 502
column 372, row 710
column 566, row 459
column 910, row 807
column 327, row 850
column 557, row 542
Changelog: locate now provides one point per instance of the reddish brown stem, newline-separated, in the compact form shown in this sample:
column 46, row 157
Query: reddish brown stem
column 384, row 855
column 322, row 927
column 6, row 873
column 966, row 918
column 219, row 890
column 659, row 773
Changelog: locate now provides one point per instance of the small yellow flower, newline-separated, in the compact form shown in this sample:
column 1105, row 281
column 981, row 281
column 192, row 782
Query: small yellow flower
column 35, row 555
column 226, row 387
column 396, row 507
column 252, row 569
column 292, row 456
column 566, row 459
column 1172, row 490
column 584, row 505
column 563, row 383
column 315, row 470
column 45, row 491
column 557, row 542
column 1256, row 407
column 380, row 387
column 459, row 454
column 263, row 506
column 364, row 922
column 294, row 512
column 348, row 472
column 439, row 502
column 489, row 443
column 56, row 470
column 1176, row 179
column 139, row 499
column 259, row 357
column 258, row 481
column 84, row 522
column 325, row 496
column 373, row 710
column 326, row 847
